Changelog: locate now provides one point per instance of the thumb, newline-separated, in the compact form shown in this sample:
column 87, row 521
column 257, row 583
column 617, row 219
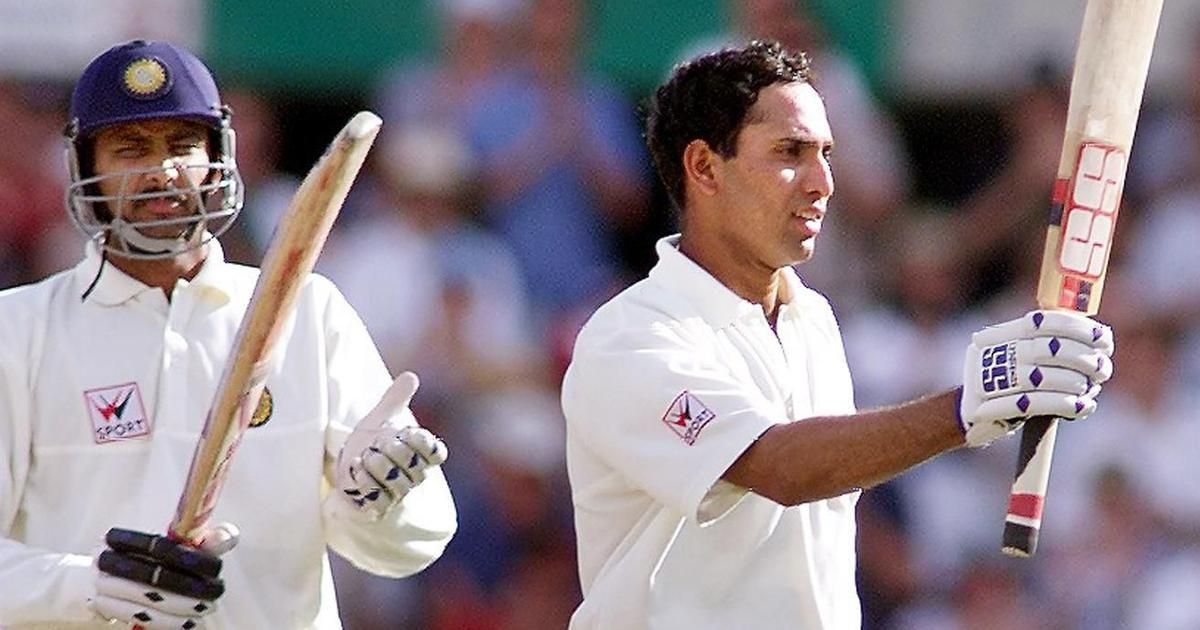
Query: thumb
column 394, row 401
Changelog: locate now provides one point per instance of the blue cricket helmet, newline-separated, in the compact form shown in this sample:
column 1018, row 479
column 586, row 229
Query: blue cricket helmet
column 140, row 80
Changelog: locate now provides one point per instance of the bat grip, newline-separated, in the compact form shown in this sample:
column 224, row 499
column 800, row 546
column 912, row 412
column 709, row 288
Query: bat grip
column 1028, row 497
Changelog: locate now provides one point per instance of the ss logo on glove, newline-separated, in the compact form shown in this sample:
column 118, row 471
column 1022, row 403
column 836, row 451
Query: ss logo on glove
column 999, row 367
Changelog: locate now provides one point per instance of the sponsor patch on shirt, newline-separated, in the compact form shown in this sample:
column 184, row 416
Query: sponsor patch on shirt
column 117, row 413
column 687, row 416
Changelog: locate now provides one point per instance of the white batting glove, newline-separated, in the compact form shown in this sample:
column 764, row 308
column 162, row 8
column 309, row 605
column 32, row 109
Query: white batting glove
column 1047, row 363
column 158, row 584
column 387, row 454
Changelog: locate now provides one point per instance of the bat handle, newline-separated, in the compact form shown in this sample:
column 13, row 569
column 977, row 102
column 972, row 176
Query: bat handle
column 1024, row 518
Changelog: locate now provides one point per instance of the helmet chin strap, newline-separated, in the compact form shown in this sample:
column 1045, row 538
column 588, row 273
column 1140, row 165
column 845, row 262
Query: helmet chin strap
column 148, row 245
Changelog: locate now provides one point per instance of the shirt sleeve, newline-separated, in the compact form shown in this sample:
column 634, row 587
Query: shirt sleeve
column 36, row 585
column 413, row 534
column 662, row 411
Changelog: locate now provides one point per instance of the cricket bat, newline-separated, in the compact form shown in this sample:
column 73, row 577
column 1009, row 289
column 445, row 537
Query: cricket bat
column 1111, row 62
column 290, row 257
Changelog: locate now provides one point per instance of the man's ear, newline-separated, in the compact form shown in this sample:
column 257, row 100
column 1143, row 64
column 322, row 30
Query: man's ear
column 700, row 167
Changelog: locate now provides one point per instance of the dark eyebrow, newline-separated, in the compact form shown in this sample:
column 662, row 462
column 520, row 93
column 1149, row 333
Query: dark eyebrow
column 138, row 136
column 132, row 137
column 186, row 135
column 803, row 141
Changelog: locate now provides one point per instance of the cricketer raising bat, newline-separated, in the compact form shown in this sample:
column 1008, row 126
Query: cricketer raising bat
column 1111, row 63
column 290, row 257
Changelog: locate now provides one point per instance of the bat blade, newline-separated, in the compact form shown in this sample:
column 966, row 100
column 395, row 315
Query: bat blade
column 1111, row 63
column 289, row 259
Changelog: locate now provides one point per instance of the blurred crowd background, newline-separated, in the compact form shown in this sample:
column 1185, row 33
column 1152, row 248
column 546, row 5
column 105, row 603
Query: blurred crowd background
column 510, row 193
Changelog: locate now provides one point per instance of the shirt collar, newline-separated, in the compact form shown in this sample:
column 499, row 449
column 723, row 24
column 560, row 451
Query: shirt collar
column 716, row 303
column 114, row 287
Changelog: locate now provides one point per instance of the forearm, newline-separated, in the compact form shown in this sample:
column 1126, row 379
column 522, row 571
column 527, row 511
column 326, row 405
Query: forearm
column 825, row 456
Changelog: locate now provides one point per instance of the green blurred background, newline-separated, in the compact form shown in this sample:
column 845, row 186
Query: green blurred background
column 340, row 46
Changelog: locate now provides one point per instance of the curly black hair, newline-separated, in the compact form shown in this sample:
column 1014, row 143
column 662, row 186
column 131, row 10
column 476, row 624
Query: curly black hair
column 708, row 98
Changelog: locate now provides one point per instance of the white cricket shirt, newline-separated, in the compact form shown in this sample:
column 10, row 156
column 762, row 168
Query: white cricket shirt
column 101, row 404
column 669, row 383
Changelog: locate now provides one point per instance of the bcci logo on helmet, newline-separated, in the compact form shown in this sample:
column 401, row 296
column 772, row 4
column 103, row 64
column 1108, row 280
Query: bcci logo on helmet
column 146, row 78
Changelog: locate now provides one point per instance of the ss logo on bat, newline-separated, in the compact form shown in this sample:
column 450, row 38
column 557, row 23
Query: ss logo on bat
column 1091, row 211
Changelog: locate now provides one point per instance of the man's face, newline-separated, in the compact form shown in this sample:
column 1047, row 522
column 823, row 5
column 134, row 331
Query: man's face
column 159, row 155
column 776, row 189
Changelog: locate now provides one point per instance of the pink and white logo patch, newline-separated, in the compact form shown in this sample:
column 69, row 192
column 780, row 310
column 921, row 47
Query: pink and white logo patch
column 687, row 416
column 117, row 413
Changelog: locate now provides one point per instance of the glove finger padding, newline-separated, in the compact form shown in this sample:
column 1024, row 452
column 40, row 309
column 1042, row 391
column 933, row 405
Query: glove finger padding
column 1015, row 364
column 163, row 550
column 430, row 447
column 1027, row 405
column 1062, row 324
column 998, row 419
column 159, row 576
column 144, row 616
column 359, row 485
column 391, row 469
column 1067, row 353
column 155, row 582
column 1035, row 378
column 399, row 464
column 137, row 593
column 1045, row 363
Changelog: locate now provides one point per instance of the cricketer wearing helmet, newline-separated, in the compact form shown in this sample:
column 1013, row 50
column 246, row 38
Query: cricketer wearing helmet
column 144, row 208
column 107, row 371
